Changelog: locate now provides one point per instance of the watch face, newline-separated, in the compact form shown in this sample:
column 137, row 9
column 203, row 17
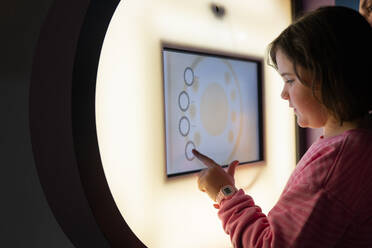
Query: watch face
column 227, row 190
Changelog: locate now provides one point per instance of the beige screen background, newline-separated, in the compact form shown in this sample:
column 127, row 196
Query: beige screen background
column 171, row 212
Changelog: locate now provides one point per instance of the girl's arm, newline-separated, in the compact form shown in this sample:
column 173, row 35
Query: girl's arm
column 301, row 218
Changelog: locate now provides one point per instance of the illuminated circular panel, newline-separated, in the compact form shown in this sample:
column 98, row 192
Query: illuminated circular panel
column 163, row 211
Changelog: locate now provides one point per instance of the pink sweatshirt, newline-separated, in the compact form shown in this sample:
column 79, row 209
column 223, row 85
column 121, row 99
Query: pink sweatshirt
column 327, row 201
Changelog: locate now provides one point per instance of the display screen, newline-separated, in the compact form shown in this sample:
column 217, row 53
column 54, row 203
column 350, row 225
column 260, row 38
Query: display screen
column 213, row 104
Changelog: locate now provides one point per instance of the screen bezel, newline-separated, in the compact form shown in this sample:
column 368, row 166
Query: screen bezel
column 224, row 55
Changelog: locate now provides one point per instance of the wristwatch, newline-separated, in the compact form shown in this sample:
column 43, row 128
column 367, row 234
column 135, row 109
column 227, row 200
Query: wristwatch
column 225, row 192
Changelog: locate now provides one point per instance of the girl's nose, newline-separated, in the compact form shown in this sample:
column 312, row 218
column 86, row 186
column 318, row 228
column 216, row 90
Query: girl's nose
column 284, row 94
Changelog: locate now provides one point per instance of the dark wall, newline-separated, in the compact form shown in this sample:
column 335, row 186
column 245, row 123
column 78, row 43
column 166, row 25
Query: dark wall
column 353, row 4
column 25, row 217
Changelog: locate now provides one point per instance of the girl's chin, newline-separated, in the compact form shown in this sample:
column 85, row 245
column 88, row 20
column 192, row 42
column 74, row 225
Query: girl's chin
column 302, row 125
column 301, row 122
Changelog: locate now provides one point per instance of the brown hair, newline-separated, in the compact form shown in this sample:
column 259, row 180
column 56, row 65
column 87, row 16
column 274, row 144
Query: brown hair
column 334, row 46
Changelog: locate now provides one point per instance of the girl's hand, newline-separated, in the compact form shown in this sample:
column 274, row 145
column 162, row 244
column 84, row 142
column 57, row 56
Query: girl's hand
column 212, row 179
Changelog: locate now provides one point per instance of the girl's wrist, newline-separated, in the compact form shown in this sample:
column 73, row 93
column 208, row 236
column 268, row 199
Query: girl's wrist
column 226, row 192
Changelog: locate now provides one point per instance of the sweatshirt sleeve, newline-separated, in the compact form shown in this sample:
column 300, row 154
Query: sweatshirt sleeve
column 301, row 218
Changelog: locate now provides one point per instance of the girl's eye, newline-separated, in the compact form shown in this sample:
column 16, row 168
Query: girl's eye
column 289, row 81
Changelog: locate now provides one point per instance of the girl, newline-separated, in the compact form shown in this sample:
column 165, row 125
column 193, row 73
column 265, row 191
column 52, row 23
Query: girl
column 365, row 9
column 325, row 60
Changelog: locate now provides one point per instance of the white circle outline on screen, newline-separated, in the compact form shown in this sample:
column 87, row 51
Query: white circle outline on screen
column 186, row 73
column 179, row 101
column 189, row 143
column 184, row 118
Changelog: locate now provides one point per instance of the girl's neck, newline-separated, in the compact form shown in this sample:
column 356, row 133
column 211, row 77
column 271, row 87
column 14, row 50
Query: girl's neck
column 333, row 127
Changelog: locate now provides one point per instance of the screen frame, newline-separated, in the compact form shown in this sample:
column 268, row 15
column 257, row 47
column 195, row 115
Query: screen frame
column 224, row 55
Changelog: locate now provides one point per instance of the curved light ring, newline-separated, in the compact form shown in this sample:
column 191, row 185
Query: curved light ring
column 130, row 114
column 62, row 124
column 72, row 179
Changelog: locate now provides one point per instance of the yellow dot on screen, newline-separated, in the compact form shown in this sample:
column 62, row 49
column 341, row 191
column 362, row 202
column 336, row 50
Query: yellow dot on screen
column 233, row 116
column 195, row 85
column 197, row 139
column 192, row 111
column 231, row 136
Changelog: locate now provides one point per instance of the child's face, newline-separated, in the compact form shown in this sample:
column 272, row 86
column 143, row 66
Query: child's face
column 365, row 8
column 309, row 112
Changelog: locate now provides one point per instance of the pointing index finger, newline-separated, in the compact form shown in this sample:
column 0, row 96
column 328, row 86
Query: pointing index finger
column 204, row 159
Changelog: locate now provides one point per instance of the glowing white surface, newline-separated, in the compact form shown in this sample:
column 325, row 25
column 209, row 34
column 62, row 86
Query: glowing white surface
column 130, row 114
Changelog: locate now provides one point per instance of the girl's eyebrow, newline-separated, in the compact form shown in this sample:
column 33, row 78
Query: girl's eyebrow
column 286, row 73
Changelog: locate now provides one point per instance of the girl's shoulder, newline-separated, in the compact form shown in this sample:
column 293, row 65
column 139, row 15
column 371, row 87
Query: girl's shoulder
column 349, row 137
column 330, row 158
column 350, row 176
column 359, row 139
